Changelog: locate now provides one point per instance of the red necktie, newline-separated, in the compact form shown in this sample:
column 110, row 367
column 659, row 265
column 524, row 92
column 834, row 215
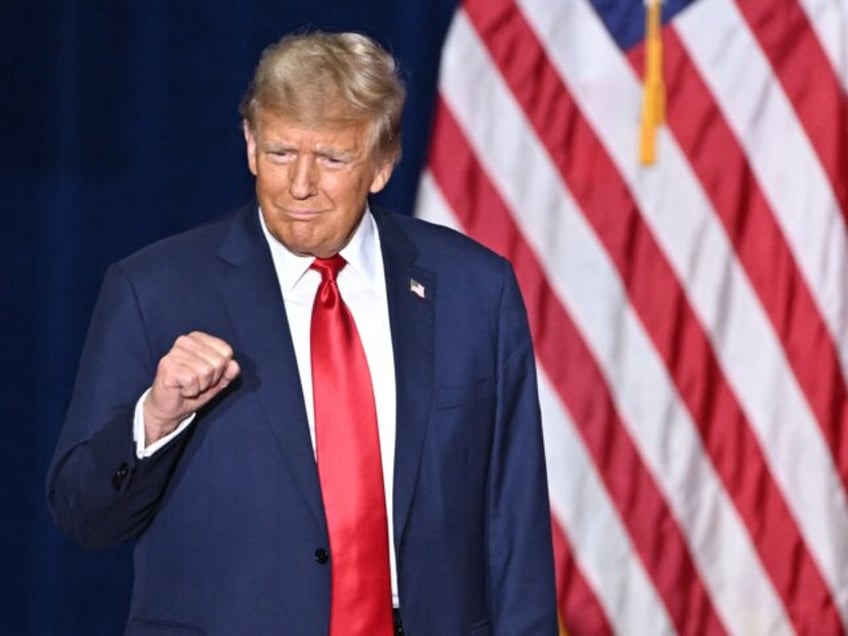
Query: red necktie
column 349, row 467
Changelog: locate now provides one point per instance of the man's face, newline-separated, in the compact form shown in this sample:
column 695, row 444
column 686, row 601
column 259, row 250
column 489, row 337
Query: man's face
column 312, row 181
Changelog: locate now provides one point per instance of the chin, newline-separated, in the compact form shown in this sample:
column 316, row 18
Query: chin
column 308, row 248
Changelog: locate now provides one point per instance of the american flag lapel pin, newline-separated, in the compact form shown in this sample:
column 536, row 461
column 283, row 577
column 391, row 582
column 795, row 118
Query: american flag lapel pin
column 417, row 288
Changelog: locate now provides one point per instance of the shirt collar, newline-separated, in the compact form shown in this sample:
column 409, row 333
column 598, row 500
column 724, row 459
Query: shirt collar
column 361, row 254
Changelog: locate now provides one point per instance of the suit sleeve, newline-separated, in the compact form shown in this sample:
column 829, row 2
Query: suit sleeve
column 98, row 491
column 520, row 553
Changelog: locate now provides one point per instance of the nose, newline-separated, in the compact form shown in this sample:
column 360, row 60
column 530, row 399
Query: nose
column 303, row 177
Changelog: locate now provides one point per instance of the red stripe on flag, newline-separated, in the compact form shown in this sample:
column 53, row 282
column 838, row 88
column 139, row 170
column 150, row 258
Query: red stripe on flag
column 579, row 382
column 810, row 82
column 659, row 300
column 578, row 606
column 727, row 178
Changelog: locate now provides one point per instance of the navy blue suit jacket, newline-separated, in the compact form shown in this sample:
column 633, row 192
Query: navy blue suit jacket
column 227, row 519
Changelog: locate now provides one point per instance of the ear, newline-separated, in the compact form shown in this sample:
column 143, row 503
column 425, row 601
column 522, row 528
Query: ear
column 250, row 146
column 381, row 177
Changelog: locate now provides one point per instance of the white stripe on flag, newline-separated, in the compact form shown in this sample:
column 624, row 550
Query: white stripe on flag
column 780, row 154
column 579, row 271
column 795, row 409
column 431, row 205
column 829, row 18
column 578, row 497
column 601, row 544
column 750, row 353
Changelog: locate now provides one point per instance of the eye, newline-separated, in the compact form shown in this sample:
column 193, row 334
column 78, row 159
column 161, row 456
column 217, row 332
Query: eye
column 280, row 156
column 333, row 161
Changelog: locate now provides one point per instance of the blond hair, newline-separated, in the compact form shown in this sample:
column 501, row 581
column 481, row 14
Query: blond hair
column 330, row 78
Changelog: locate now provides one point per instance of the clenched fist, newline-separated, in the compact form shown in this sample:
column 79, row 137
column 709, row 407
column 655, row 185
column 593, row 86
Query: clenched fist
column 196, row 369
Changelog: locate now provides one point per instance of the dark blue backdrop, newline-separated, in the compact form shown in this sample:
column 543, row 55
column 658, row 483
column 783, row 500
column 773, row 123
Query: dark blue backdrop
column 119, row 126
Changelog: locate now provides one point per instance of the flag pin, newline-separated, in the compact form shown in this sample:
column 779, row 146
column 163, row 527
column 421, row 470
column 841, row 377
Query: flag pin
column 417, row 288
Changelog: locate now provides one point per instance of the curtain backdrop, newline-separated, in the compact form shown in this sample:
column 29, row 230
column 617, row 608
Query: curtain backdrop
column 120, row 126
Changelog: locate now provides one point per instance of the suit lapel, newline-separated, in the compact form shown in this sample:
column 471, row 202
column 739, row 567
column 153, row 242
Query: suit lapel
column 251, row 294
column 411, row 318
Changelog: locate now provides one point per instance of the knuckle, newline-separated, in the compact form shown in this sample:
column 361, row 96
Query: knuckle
column 220, row 347
column 182, row 340
column 188, row 380
column 207, row 371
column 165, row 366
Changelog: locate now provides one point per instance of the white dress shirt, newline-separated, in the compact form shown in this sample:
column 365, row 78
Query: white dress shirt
column 362, row 285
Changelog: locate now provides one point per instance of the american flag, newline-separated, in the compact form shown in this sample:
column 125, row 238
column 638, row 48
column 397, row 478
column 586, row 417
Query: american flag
column 690, row 315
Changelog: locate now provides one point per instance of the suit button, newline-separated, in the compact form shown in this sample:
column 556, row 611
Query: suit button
column 321, row 556
column 120, row 475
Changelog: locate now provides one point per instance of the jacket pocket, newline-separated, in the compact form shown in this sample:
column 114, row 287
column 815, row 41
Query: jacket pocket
column 140, row 626
column 483, row 628
column 456, row 395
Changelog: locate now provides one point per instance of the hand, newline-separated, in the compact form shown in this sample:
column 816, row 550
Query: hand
column 196, row 369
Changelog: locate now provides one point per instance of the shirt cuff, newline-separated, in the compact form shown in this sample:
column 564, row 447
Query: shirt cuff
column 141, row 450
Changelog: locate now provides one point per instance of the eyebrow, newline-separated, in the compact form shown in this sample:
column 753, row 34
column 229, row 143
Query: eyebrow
column 270, row 146
column 336, row 153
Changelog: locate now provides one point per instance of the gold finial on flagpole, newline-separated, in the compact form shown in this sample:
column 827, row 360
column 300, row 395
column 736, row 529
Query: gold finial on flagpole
column 653, row 92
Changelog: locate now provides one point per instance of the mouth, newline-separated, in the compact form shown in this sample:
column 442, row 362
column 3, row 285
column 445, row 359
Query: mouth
column 301, row 215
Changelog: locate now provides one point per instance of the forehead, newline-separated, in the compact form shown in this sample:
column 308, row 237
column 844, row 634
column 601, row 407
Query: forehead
column 351, row 134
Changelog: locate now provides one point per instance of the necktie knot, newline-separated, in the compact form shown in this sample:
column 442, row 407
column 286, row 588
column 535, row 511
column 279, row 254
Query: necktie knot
column 329, row 268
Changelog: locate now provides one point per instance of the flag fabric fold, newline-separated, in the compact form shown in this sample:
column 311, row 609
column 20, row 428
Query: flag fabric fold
column 690, row 316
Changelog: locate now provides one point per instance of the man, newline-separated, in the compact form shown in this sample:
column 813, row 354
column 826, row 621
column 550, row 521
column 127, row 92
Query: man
column 258, row 397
